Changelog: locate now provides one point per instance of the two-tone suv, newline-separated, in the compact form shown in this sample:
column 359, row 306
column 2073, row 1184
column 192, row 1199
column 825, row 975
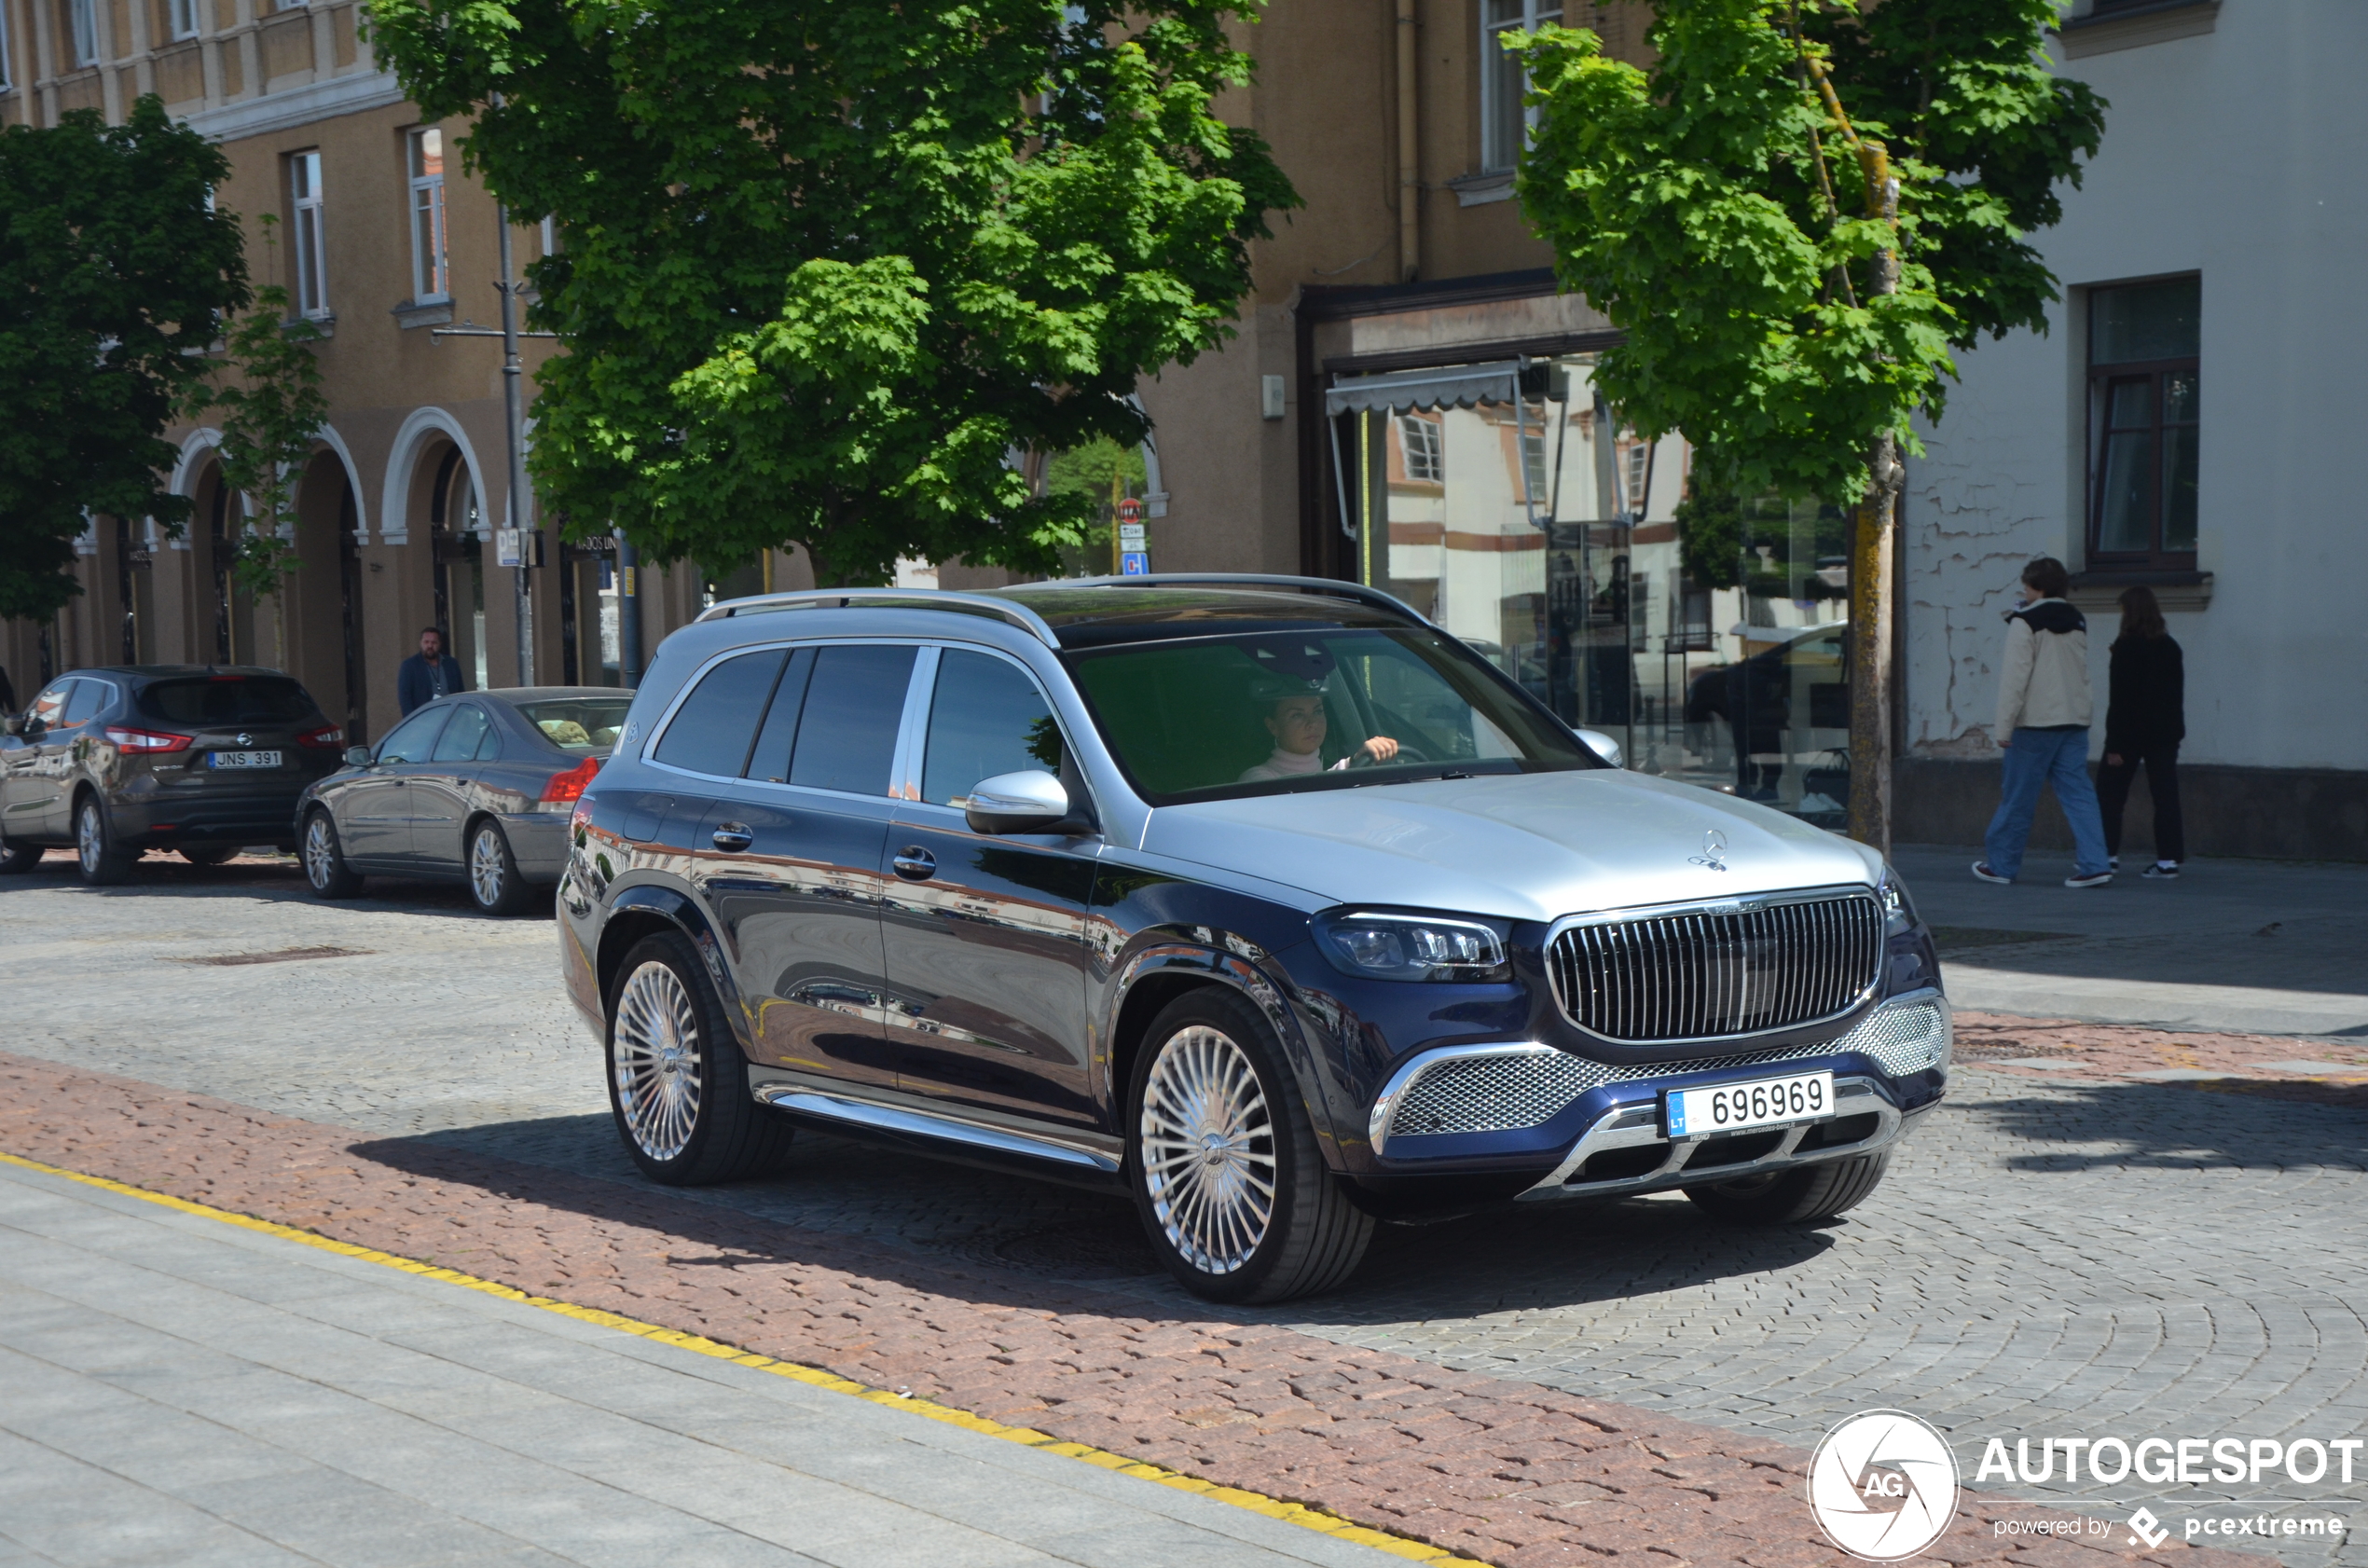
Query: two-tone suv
column 1262, row 899
column 121, row 759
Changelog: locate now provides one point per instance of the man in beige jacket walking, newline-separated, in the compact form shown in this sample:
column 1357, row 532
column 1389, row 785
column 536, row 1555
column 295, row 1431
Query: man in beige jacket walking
column 2044, row 712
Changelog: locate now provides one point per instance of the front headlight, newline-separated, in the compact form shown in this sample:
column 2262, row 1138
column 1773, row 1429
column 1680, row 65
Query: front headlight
column 1899, row 915
column 1412, row 947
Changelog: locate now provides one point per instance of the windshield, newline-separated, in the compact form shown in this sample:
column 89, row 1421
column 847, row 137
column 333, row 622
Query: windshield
column 1269, row 712
column 227, row 699
column 585, row 726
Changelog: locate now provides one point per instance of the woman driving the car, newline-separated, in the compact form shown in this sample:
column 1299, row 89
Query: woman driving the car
column 1295, row 718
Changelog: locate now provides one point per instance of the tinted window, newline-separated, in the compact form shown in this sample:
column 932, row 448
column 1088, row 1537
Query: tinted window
column 712, row 731
column 462, row 736
column 88, row 697
column 770, row 761
column 229, row 699
column 847, row 734
column 414, row 736
column 986, row 716
column 583, row 725
column 50, row 706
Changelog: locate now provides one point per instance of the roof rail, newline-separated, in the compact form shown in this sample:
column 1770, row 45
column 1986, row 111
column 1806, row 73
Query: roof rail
column 890, row 598
column 1327, row 587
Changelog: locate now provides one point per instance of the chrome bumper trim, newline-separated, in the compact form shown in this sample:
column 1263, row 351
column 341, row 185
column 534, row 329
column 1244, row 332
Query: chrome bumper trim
column 1639, row 1126
column 916, row 1123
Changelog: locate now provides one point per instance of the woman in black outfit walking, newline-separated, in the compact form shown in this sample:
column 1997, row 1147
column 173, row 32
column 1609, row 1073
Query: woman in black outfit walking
column 2145, row 720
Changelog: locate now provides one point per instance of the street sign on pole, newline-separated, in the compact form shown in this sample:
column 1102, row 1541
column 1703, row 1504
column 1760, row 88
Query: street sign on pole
column 1134, row 563
column 1130, row 536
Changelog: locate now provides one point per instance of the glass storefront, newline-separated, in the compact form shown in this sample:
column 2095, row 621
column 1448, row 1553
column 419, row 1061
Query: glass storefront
column 1500, row 497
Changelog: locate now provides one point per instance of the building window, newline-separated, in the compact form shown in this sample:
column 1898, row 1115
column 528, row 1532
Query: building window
column 6, row 81
column 2143, row 397
column 82, row 19
column 1505, row 122
column 182, row 19
column 431, row 274
column 312, row 267
column 1426, row 462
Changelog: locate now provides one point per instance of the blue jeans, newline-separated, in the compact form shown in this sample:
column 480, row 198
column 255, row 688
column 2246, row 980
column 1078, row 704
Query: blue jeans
column 2038, row 758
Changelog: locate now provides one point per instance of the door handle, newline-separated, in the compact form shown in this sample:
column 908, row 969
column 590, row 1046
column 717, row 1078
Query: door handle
column 915, row 863
column 734, row 836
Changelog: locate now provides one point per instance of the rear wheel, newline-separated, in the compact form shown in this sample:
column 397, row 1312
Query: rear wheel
column 18, row 856
column 678, row 1083
column 1802, row 1196
column 1224, row 1164
column 208, row 854
column 324, row 867
column 494, row 882
column 104, row 862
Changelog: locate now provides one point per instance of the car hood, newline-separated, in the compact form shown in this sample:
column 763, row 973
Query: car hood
column 1524, row 846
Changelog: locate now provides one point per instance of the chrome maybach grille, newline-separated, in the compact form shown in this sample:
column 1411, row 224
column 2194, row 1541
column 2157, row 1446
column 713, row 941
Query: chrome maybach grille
column 1718, row 972
column 1530, row 1086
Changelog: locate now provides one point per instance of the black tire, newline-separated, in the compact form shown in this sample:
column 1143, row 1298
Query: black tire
column 1311, row 1238
column 686, row 1114
column 495, row 886
column 104, row 861
column 17, row 856
column 207, row 854
column 325, row 870
column 1803, row 1196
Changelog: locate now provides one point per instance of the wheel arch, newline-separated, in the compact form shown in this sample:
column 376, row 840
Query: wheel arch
column 641, row 910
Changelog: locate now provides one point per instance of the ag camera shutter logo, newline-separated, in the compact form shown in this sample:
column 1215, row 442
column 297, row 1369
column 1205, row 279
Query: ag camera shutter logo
column 1883, row 1486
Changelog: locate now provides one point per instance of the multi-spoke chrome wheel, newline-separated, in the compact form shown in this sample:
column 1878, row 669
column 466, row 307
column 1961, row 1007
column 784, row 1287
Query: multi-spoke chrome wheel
column 1208, row 1150
column 657, row 1058
column 489, row 866
column 90, row 839
column 320, row 852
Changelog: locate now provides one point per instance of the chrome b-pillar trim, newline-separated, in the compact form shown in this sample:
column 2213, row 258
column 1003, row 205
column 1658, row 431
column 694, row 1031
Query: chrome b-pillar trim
column 1635, row 1126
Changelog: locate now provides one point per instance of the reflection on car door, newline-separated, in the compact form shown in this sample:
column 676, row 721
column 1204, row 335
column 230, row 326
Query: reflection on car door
column 986, row 935
column 374, row 811
column 440, row 790
column 791, row 859
column 32, row 806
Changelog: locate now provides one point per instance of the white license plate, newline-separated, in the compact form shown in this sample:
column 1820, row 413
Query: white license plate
column 242, row 759
column 1763, row 1102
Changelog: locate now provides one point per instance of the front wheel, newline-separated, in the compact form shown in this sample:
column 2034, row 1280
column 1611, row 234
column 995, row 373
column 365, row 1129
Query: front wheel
column 494, row 882
column 103, row 861
column 325, row 865
column 678, row 1083
column 1224, row 1164
column 1802, row 1196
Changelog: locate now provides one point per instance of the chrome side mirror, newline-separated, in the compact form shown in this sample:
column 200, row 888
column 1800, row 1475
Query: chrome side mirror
column 1603, row 746
column 1028, row 802
column 357, row 756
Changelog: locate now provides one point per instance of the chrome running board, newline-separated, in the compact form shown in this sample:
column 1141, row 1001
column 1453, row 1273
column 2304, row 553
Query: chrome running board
column 927, row 1125
column 1639, row 1126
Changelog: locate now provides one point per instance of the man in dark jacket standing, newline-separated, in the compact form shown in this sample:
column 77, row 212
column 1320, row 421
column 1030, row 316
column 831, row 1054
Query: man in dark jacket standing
column 2145, row 720
column 428, row 674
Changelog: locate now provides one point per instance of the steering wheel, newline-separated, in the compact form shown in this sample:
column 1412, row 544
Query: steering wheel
column 1406, row 753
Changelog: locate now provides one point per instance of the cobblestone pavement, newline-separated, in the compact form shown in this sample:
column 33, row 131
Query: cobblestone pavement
column 2049, row 1257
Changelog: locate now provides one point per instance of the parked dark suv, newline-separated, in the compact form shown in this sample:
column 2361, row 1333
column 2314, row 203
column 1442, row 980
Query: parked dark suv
column 125, row 758
column 1263, row 899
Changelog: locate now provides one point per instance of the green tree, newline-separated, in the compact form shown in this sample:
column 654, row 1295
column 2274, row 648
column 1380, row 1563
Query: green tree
column 1794, row 215
column 827, row 267
column 114, row 275
column 1098, row 471
column 272, row 407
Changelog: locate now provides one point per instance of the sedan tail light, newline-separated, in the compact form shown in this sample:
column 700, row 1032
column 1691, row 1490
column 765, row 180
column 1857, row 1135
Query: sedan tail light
column 131, row 739
column 571, row 785
column 325, row 740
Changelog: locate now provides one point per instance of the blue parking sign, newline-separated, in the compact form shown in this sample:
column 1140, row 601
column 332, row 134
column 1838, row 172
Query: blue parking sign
column 1134, row 563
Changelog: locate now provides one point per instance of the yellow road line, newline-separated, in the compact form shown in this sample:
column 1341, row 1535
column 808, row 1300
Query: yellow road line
column 1291, row 1513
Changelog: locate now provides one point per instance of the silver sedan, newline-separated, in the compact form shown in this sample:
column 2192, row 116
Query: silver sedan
column 476, row 787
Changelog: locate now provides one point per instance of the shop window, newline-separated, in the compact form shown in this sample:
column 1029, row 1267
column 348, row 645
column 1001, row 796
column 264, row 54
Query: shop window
column 2143, row 424
column 431, row 272
column 82, row 28
column 312, row 267
column 1505, row 120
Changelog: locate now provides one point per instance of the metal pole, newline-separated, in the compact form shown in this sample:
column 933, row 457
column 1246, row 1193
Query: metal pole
column 628, row 615
column 514, row 432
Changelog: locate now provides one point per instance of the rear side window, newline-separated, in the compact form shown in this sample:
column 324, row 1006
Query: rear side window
column 88, row 697
column 463, row 736
column 985, row 718
column 846, row 731
column 227, row 699
column 713, row 729
column 770, row 761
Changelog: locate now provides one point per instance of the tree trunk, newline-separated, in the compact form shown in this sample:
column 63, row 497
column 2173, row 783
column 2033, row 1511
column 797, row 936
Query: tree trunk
column 1870, row 573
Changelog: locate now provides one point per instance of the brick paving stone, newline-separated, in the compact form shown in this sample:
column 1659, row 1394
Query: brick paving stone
column 1094, row 1371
